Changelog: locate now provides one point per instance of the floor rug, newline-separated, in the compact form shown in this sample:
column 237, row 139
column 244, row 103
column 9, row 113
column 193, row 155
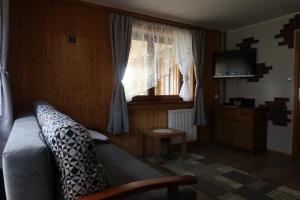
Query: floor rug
column 224, row 182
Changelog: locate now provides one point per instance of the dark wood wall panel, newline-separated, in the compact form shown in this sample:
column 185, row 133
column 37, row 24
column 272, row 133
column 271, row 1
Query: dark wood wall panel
column 142, row 117
column 296, row 107
column 210, row 86
column 78, row 78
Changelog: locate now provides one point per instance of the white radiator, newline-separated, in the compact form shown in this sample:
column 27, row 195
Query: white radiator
column 182, row 120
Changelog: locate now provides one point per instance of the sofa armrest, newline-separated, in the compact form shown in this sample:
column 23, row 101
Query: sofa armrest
column 171, row 183
column 26, row 163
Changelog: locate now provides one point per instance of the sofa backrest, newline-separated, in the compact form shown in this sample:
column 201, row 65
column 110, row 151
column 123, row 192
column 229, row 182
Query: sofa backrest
column 27, row 162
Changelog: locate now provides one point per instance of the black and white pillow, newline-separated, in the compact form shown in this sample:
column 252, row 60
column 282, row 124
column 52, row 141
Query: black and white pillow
column 73, row 149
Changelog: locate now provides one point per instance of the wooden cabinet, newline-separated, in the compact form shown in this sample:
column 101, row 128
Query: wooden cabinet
column 241, row 128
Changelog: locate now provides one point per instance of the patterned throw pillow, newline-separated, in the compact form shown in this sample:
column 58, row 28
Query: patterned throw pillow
column 73, row 149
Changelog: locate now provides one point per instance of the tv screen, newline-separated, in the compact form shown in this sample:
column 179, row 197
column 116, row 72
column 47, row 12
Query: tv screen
column 235, row 63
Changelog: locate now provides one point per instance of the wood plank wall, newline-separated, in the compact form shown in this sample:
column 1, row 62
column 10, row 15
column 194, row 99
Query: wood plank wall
column 79, row 78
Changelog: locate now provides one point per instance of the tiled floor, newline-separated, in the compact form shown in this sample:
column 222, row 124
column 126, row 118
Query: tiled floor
column 218, row 180
column 272, row 167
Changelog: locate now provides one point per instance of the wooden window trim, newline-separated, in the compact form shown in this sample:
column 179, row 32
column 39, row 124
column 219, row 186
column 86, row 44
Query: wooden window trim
column 157, row 98
column 159, row 102
column 152, row 98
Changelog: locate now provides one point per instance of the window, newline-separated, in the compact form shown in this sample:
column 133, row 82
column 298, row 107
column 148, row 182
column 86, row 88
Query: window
column 152, row 68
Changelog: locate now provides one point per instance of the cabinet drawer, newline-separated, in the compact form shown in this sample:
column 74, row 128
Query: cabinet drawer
column 234, row 115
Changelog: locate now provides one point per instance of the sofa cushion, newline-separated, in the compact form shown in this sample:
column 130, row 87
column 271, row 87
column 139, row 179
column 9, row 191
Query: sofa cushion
column 73, row 149
column 125, row 168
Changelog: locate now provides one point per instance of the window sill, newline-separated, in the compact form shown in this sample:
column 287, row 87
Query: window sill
column 158, row 98
column 156, row 105
column 160, row 102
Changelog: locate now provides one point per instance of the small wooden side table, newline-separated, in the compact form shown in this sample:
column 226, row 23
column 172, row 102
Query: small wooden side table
column 157, row 136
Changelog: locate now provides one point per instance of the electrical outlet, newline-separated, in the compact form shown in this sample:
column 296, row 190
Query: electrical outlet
column 72, row 39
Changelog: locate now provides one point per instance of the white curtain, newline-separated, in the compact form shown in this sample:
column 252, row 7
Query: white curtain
column 184, row 59
column 155, row 49
column 151, row 48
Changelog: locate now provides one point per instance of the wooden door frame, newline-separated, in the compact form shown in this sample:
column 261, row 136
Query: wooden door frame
column 296, row 117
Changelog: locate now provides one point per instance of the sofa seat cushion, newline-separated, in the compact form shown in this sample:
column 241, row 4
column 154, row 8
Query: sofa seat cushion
column 79, row 170
column 125, row 168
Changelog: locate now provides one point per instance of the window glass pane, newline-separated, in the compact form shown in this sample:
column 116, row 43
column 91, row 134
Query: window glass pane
column 135, row 78
column 150, row 65
column 165, row 83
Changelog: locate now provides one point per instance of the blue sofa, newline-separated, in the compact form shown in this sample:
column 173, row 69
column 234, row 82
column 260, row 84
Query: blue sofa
column 28, row 169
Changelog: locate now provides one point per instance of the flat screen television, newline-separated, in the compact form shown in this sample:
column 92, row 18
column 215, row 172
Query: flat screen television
column 235, row 64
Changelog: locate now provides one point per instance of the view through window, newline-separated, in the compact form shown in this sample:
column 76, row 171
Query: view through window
column 152, row 68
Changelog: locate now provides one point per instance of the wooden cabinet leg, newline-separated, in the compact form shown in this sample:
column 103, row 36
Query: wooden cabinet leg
column 157, row 150
column 183, row 147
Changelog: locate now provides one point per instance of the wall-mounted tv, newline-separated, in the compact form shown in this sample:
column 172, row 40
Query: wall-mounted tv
column 235, row 64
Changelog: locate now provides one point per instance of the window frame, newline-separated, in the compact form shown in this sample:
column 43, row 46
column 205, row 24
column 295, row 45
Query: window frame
column 151, row 97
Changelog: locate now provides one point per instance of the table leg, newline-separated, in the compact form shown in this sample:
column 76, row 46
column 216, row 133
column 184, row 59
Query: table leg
column 157, row 150
column 183, row 147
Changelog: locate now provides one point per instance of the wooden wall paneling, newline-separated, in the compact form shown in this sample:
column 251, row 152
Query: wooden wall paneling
column 62, row 57
column 100, row 73
column 142, row 117
column 78, row 78
column 296, row 114
column 209, row 85
column 27, row 52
